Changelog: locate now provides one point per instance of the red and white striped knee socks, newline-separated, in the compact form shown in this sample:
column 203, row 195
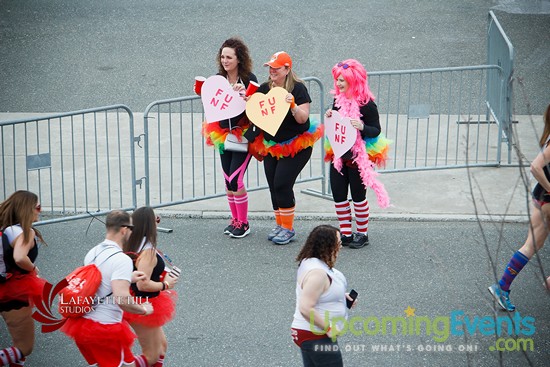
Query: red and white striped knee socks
column 10, row 355
column 362, row 216
column 343, row 212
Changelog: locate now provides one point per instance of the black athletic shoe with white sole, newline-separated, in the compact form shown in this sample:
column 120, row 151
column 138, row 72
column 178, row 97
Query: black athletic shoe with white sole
column 360, row 240
column 230, row 228
column 241, row 230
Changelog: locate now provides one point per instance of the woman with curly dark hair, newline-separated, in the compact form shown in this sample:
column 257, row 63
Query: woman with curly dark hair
column 235, row 64
column 320, row 297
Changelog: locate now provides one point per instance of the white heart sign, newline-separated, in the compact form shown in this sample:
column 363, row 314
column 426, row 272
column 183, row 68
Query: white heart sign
column 340, row 133
column 219, row 100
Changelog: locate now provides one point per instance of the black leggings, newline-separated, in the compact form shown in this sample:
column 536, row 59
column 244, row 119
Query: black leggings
column 321, row 353
column 281, row 175
column 339, row 184
column 234, row 165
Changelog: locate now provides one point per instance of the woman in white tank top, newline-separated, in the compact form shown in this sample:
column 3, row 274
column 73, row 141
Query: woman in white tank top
column 320, row 298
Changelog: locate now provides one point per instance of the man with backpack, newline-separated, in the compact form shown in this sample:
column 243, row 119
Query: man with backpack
column 101, row 335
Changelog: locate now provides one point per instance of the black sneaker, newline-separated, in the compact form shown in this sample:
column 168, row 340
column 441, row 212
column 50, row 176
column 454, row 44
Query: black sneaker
column 360, row 240
column 241, row 230
column 231, row 227
column 346, row 240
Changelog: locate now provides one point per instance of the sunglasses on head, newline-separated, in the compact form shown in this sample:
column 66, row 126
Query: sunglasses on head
column 129, row 226
column 343, row 66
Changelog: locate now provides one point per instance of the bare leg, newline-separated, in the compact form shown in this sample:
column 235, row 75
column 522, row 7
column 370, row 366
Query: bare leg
column 538, row 231
column 240, row 192
column 21, row 328
column 152, row 341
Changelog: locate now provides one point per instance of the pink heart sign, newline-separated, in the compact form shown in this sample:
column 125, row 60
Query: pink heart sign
column 340, row 133
column 219, row 100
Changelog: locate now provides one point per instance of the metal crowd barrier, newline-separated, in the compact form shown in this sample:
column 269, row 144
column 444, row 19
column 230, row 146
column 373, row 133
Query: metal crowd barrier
column 85, row 162
column 180, row 167
column 437, row 118
column 76, row 162
column 500, row 87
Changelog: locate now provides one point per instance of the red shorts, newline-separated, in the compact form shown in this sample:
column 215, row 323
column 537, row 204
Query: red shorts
column 108, row 345
column 539, row 203
column 299, row 336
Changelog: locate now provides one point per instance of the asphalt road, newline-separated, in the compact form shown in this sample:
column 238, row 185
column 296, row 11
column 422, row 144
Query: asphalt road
column 58, row 56
column 237, row 295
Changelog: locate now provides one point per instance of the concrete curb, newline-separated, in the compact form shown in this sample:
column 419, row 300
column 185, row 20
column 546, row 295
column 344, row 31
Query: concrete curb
column 384, row 217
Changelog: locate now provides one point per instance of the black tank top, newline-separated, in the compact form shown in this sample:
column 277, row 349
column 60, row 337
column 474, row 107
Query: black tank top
column 8, row 256
column 539, row 193
column 155, row 277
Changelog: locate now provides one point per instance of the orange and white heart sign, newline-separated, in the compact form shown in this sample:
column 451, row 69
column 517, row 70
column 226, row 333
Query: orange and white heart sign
column 340, row 133
column 219, row 100
column 267, row 111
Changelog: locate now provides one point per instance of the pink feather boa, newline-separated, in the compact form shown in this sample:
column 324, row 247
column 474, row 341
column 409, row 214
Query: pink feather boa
column 350, row 108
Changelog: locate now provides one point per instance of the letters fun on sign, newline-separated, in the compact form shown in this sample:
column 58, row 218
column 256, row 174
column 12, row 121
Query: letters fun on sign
column 267, row 111
column 340, row 133
column 219, row 100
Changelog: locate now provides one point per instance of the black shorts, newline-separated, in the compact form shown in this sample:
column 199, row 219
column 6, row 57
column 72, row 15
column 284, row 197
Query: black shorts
column 540, row 196
column 13, row 305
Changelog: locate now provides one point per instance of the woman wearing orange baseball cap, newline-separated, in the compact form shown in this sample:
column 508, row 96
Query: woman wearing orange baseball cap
column 287, row 152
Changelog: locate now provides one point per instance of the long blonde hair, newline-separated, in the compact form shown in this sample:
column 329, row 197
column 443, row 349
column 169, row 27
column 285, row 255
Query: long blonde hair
column 290, row 81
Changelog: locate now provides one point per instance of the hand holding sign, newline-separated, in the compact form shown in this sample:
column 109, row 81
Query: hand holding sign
column 267, row 111
column 219, row 100
column 340, row 133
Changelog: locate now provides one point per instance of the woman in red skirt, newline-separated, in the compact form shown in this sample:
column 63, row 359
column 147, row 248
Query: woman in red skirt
column 19, row 280
column 156, row 288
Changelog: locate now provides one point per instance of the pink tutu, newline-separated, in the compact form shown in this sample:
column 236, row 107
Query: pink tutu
column 164, row 310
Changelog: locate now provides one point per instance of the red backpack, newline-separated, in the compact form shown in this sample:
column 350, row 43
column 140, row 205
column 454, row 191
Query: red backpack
column 78, row 298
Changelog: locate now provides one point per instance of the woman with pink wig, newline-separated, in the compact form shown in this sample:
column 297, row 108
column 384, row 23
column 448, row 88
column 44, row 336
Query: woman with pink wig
column 355, row 169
